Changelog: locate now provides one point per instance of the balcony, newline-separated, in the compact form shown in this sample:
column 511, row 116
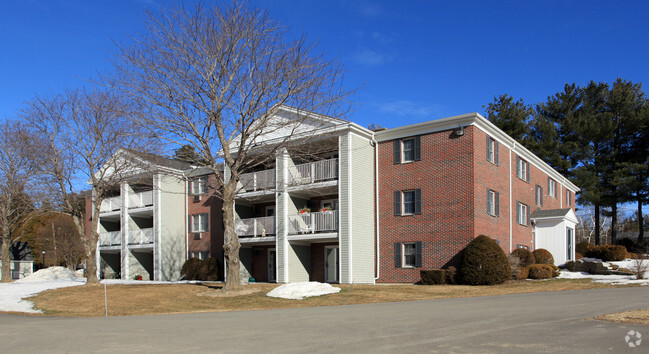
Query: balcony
column 111, row 204
column 263, row 226
column 257, row 181
column 324, row 221
column 140, row 200
column 113, row 238
column 313, row 172
column 141, row 237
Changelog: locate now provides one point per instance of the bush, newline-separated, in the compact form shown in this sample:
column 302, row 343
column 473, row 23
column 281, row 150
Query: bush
column 433, row 276
column 523, row 273
column 542, row 271
column 607, row 253
column 189, row 271
column 633, row 245
column 578, row 256
column 451, row 275
column 209, row 270
column 583, row 247
column 543, row 256
column 525, row 256
column 484, row 263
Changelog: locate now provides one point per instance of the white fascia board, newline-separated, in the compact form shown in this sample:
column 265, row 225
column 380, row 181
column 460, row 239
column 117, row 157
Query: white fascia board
column 485, row 125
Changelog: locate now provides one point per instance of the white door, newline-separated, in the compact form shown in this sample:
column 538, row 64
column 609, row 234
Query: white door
column 272, row 266
column 331, row 264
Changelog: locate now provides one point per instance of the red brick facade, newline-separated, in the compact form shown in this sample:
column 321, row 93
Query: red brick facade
column 454, row 176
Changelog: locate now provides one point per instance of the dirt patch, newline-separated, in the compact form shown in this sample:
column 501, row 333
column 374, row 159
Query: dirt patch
column 634, row 317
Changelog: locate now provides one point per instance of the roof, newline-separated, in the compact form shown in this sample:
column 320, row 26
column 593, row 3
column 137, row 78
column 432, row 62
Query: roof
column 549, row 213
column 160, row 160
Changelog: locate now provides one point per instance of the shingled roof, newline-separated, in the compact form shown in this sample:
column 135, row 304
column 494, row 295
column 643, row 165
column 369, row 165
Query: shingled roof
column 549, row 213
column 160, row 161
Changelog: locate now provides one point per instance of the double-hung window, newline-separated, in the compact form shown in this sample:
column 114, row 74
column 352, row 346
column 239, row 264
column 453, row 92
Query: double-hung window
column 493, row 203
column 198, row 223
column 539, row 195
column 199, row 186
column 522, row 214
column 407, row 202
column 407, row 150
column 552, row 188
column 568, row 198
column 492, row 150
column 408, row 254
column 522, row 169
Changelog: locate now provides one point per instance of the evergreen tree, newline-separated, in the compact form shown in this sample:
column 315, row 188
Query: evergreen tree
column 512, row 116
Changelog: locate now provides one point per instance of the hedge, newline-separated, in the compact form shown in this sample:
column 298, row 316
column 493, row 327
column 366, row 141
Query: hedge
column 543, row 271
column 433, row 276
column 484, row 263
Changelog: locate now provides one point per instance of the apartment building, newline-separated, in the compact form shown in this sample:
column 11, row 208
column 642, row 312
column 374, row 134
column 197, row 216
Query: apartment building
column 335, row 202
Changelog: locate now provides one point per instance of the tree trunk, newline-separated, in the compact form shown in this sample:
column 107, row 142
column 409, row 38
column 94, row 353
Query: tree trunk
column 91, row 245
column 614, row 223
column 231, row 247
column 597, row 239
column 6, row 257
column 640, row 222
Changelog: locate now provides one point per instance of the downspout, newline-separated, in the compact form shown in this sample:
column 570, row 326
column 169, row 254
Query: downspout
column 511, row 213
column 186, row 216
column 376, row 204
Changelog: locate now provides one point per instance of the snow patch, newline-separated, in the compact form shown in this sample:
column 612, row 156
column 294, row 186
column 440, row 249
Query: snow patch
column 12, row 294
column 610, row 279
column 299, row 291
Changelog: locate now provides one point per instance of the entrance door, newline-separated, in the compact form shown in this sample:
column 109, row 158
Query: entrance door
column 331, row 264
column 272, row 266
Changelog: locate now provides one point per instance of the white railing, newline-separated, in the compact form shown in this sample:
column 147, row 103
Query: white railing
column 140, row 200
column 112, row 238
column 313, row 222
column 313, row 172
column 255, row 226
column 111, row 204
column 141, row 236
column 255, row 181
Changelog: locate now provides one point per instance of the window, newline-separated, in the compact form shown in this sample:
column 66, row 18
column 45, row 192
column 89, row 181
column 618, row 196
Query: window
column 552, row 188
column 202, row 255
column 198, row 223
column 408, row 254
column 198, row 186
column 407, row 150
column 522, row 169
column 568, row 198
column 539, row 195
column 492, row 150
column 407, row 202
column 522, row 213
column 493, row 203
column 523, row 246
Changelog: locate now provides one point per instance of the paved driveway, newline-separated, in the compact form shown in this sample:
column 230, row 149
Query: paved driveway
column 537, row 322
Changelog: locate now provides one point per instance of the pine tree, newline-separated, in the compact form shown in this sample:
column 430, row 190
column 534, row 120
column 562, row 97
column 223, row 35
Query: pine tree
column 511, row 116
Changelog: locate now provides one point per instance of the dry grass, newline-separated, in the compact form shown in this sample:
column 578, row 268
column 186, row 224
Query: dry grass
column 634, row 317
column 88, row 300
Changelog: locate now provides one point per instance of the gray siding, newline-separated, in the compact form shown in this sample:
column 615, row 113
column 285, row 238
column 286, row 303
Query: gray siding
column 282, row 202
column 344, row 184
column 169, row 225
column 299, row 261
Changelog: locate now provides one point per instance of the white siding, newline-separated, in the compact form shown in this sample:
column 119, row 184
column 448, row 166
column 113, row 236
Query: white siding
column 169, row 225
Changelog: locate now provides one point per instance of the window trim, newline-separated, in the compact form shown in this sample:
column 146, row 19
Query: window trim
column 404, row 264
column 520, row 214
column 201, row 183
column 492, row 150
column 399, row 255
column 568, row 197
column 552, row 187
column 399, row 202
column 538, row 194
column 398, row 150
column 403, row 150
column 522, row 169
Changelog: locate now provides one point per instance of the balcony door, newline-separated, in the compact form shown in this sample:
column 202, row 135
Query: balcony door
column 272, row 265
column 331, row 264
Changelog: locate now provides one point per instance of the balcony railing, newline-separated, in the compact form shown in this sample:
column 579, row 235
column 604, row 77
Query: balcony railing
column 256, row 181
column 113, row 238
column 313, row 222
column 313, row 172
column 140, row 200
column 255, row 226
column 141, row 237
column 111, row 204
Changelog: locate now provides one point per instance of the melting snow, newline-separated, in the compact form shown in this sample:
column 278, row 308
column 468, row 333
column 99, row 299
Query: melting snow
column 611, row 279
column 298, row 291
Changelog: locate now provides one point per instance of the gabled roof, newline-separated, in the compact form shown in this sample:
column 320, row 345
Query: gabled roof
column 160, row 160
column 545, row 214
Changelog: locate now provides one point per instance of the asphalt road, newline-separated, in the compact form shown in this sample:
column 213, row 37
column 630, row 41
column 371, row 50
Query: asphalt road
column 537, row 322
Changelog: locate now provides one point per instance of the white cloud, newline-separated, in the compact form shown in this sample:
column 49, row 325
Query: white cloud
column 369, row 57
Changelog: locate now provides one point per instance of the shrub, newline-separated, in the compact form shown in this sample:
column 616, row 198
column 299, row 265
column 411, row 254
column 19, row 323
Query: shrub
column 607, row 252
column 523, row 273
column 189, row 271
column 633, row 245
column 525, row 256
column 639, row 267
column 543, row 256
column 209, row 270
column 583, row 247
column 542, row 271
column 484, row 263
column 451, row 275
column 433, row 276
column 578, row 255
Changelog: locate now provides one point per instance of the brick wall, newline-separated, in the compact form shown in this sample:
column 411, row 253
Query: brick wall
column 445, row 226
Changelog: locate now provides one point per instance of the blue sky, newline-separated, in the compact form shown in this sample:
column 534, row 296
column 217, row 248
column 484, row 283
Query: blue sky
column 416, row 60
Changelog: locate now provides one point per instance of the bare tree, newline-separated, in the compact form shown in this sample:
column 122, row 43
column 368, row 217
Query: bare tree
column 214, row 77
column 80, row 132
column 17, row 171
